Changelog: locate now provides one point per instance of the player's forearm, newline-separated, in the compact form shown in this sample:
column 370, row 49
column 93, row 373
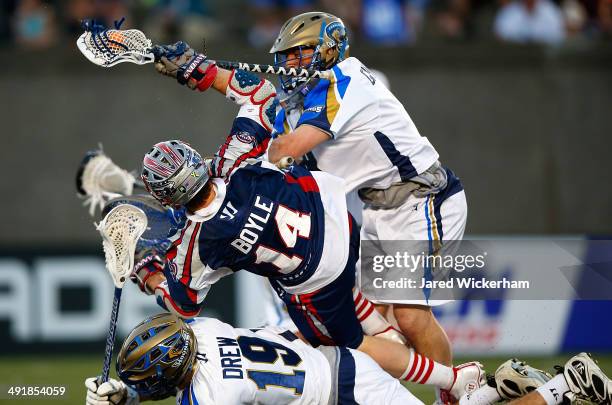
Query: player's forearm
column 155, row 280
column 279, row 148
column 297, row 143
column 222, row 80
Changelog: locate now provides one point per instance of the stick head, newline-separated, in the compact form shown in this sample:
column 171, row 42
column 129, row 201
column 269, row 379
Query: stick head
column 107, row 48
column 120, row 229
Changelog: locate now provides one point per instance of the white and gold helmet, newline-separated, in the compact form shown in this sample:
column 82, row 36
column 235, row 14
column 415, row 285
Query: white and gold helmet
column 158, row 356
column 321, row 32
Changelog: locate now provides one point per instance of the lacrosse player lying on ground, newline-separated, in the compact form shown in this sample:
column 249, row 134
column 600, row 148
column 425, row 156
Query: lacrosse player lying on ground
column 289, row 226
column 205, row 361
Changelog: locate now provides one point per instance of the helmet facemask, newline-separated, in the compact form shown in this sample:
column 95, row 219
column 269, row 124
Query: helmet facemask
column 293, row 84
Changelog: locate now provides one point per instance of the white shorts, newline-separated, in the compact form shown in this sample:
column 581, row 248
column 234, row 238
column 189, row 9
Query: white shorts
column 374, row 386
column 418, row 219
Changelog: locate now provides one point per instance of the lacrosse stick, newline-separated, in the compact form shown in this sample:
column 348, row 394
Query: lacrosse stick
column 99, row 179
column 161, row 221
column 109, row 47
column 120, row 229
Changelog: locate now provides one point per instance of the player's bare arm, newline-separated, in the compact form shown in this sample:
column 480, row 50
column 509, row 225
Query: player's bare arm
column 297, row 143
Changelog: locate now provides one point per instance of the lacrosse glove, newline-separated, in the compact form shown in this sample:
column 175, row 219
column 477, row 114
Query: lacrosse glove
column 112, row 392
column 147, row 261
column 189, row 68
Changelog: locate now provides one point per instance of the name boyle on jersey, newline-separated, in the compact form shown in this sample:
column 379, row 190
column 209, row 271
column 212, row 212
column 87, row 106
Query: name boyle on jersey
column 254, row 225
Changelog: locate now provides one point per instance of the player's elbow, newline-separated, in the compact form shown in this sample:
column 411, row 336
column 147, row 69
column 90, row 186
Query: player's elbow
column 181, row 309
column 282, row 147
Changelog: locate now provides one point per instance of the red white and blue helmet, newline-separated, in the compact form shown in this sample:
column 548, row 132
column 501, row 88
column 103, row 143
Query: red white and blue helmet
column 173, row 172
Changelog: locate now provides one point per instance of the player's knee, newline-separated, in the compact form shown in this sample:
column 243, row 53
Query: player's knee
column 413, row 319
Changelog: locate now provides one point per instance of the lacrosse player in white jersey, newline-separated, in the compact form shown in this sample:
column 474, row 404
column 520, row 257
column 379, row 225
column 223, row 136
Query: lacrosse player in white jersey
column 354, row 127
column 205, row 361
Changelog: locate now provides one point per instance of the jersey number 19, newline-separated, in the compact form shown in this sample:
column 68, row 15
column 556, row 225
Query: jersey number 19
column 262, row 351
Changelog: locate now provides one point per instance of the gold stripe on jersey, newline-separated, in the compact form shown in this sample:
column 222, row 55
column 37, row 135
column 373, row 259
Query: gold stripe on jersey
column 332, row 103
column 434, row 225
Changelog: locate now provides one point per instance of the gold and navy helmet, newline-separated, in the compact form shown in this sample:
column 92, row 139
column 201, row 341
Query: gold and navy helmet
column 323, row 32
column 157, row 356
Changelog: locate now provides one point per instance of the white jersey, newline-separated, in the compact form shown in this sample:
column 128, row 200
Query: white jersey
column 374, row 142
column 271, row 366
column 251, row 366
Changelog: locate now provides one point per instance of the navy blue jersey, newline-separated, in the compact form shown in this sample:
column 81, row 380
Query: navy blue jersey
column 270, row 223
column 263, row 220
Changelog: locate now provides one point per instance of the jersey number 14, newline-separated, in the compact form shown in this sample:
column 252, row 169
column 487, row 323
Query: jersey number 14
column 291, row 225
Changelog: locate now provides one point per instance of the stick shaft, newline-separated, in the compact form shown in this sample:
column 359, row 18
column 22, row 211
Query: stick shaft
column 110, row 337
column 273, row 70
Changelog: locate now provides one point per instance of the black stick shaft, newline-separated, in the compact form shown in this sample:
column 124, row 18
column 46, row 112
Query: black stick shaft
column 273, row 70
column 110, row 337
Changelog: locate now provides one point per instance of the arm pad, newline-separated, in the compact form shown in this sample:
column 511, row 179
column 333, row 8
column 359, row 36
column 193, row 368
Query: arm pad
column 256, row 96
column 169, row 303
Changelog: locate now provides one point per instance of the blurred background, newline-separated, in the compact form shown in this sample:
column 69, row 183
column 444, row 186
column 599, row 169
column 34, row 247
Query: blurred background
column 516, row 95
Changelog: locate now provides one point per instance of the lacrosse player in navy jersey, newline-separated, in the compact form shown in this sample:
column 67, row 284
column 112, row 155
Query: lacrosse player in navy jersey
column 290, row 226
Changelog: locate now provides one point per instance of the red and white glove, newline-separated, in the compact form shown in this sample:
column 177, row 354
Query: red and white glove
column 112, row 392
column 144, row 268
column 189, row 68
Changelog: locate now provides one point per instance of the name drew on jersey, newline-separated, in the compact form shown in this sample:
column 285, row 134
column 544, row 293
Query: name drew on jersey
column 231, row 358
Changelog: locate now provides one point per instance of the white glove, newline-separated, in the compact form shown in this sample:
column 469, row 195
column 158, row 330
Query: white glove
column 112, row 392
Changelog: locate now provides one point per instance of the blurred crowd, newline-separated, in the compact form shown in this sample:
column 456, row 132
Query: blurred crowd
column 396, row 22
column 42, row 23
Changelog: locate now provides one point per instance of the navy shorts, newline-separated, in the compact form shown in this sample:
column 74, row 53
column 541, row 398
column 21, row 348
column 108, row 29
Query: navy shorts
column 327, row 316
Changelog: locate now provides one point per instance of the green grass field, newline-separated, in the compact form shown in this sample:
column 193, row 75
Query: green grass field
column 70, row 372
